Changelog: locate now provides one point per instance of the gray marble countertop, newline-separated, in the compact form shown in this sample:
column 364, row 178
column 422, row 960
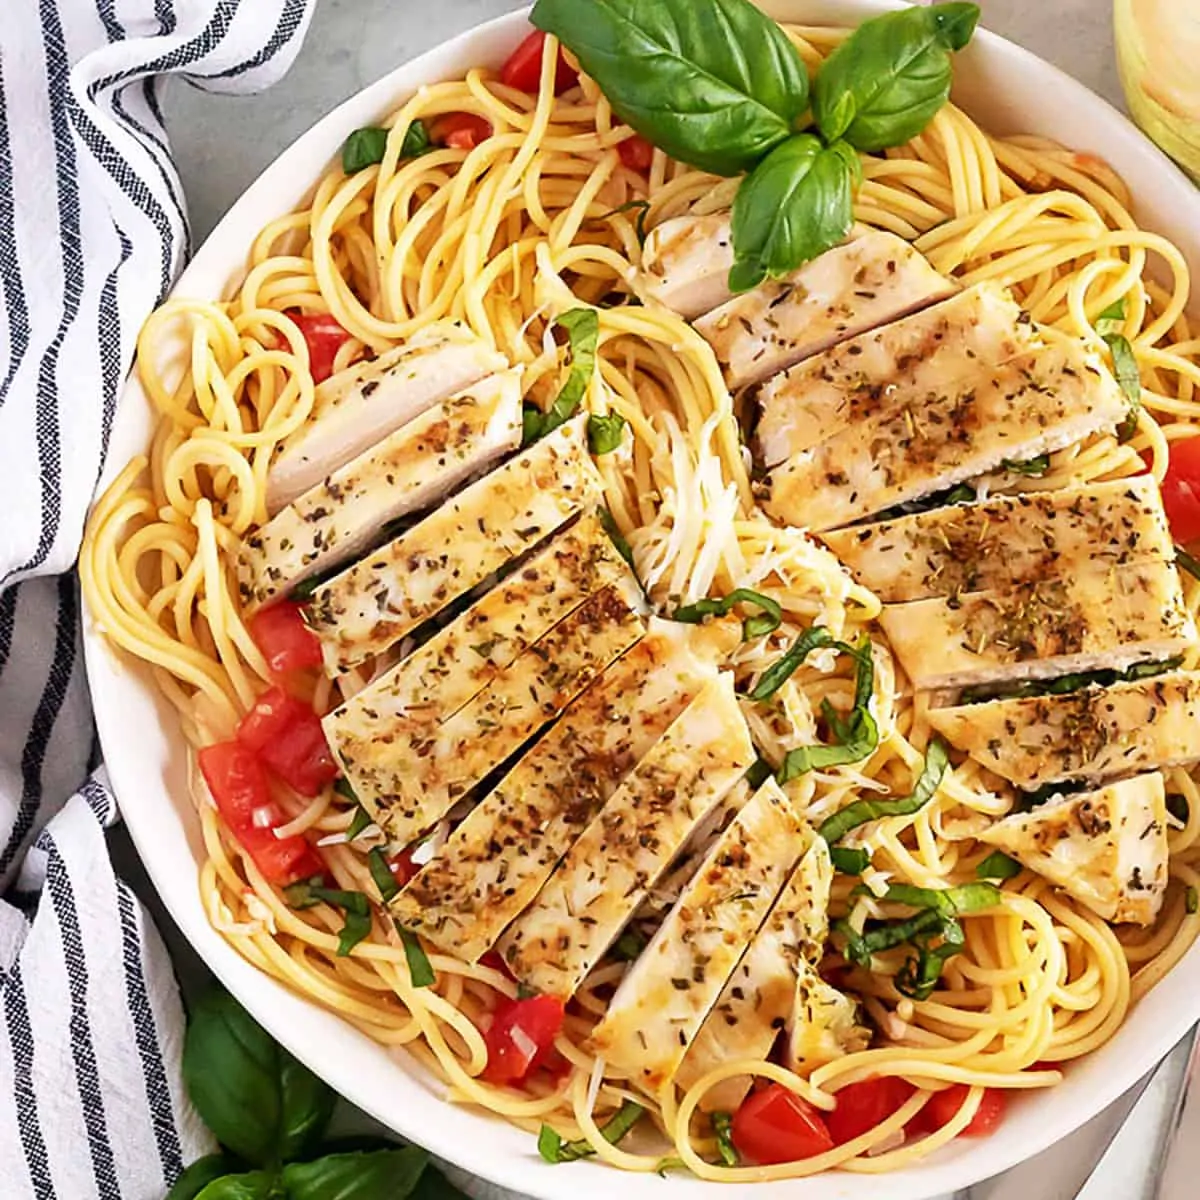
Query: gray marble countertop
column 222, row 143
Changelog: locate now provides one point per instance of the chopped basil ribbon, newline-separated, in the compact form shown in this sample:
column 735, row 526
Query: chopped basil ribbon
column 962, row 493
column 849, row 860
column 857, row 735
column 760, row 771
column 937, row 759
column 609, row 524
column 1191, row 901
column 360, row 821
column 605, row 432
column 1032, row 467
column 1178, row 807
column 718, row 85
column 1065, row 684
column 722, row 1124
column 583, row 336
column 305, row 893
column 752, row 627
column 642, row 207
column 554, row 1150
column 998, row 865
column 365, row 147
column 381, row 873
column 420, row 969
column 780, row 671
column 629, row 946
column 1186, row 562
column 1110, row 325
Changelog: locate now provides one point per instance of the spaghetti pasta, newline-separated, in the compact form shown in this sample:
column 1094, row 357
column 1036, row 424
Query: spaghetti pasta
column 503, row 236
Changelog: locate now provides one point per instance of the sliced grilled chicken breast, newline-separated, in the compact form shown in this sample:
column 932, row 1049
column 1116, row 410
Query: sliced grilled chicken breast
column 357, row 407
column 759, row 1000
column 685, row 264
column 497, row 860
column 1007, row 541
column 367, row 608
column 419, row 463
column 1090, row 621
column 666, row 994
column 1092, row 734
column 410, row 774
column 1107, row 848
column 865, row 282
column 895, row 364
column 1028, row 406
column 598, row 886
column 455, row 665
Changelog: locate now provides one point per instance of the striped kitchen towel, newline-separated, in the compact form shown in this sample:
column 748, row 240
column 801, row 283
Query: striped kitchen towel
column 92, row 233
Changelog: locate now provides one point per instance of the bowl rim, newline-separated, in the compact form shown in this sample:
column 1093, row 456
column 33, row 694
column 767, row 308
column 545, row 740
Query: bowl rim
column 144, row 759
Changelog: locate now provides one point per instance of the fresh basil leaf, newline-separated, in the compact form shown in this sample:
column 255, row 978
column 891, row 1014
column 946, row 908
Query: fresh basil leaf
column 253, row 1185
column 381, row 874
column 367, row 146
column 760, row 771
column 998, row 865
column 420, row 969
column 1125, row 368
column 714, row 83
column 1032, row 467
column 722, row 1126
column 416, row 141
column 1112, row 319
column 752, row 627
column 605, row 432
column 200, row 1174
column 256, row 1098
column 618, row 539
column 373, row 1175
column 583, row 334
column 554, row 1150
column 780, row 671
column 919, row 975
column 849, row 860
column 433, row 1185
column 1187, row 563
column 933, row 770
column 888, row 79
column 795, row 205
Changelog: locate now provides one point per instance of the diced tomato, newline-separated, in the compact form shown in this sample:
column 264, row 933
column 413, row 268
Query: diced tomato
column 863, row 1105
column 523, row 70
column 242, row 794
column 494, row 959
column 287, row 736
column 324, row 338
column 636, row 153
column 1181, row 489
column 521, row 1037
column 402, row 866
column 462, row 131
column 775, row 1125
column 286, row 642
column 942, row 1107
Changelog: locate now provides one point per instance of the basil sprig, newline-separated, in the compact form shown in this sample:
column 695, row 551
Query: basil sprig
column 886, row 81
column 554, row 1150
column 717, row 84
column 269, row 1112
column 752, row 627
column 583, row 335
column 367, row 146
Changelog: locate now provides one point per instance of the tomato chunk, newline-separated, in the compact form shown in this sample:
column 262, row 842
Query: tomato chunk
column 462, row 131
column 242, row 794
column 523, row 70
column 287, row 737
column 402, row 866
column 636, row 153
column 775, row 1125
column 863, row 1105
column 324, row 337
column 942, row 1107
column 521, row 1037
column 286, row 642
column 1181, row 490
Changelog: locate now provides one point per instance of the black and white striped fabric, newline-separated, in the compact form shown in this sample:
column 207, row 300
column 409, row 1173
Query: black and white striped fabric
column 92, row 232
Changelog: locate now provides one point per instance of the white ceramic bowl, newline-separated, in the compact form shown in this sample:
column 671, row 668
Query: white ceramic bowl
column 1008, row 90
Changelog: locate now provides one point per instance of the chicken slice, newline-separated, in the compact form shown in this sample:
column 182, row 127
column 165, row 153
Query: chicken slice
column 355, row 408
column 686, row 262
column 865, row 282
column 1092, row 734
column 367, row 608
column 667, row 992
column 1028, row 406
column 897, row 363
column 497, row 860
column 598, row 886
column 1007, row 540
column 410, row 774
column 1085, row 620
column 1107, row 848
column 409, row 470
